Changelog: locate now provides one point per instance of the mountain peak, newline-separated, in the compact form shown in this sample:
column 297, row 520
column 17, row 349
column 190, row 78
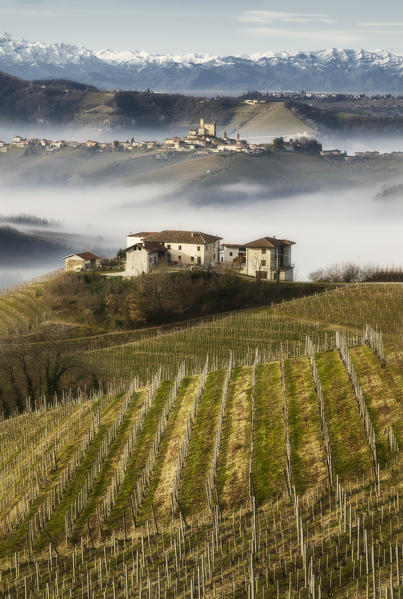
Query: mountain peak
column 327, row 70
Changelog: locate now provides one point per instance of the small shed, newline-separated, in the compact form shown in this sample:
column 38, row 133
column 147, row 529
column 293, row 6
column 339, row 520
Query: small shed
column 81, row 261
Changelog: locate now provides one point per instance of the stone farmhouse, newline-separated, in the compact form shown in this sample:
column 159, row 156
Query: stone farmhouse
column 145, row 251
column 265, row 258
column 81, row 261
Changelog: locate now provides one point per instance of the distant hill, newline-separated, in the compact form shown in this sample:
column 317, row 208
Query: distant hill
column 203, row 178
column 17, row 248
column 77, row 105
column 330, row 70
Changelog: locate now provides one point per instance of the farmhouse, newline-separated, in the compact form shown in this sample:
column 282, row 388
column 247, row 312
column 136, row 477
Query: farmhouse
column 269, row 258
column 81, row 261
column 146, row 250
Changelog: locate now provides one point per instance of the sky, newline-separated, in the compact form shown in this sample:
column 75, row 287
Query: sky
column 218, row 27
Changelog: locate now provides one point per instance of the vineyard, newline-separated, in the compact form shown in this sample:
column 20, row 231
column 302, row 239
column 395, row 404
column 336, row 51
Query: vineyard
column 254, row 454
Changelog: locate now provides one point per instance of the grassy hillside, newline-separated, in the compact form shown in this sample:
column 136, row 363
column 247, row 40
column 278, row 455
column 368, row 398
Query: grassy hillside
column 97, row 475
column 277, row 173
column 257, row 472
column 266, row 120
column 70, row 103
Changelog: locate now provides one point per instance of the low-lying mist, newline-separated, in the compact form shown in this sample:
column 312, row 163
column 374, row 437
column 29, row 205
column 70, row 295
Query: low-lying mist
column 327, row 227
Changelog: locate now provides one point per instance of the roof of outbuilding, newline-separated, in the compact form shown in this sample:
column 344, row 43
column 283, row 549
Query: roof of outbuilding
column 269, row 242
column 149, row 246
column 141, row 234
column 183, row 237
column 234, row 245
column 84, row 256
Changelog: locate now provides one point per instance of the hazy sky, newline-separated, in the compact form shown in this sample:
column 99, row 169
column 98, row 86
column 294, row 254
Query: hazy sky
column 209, row 26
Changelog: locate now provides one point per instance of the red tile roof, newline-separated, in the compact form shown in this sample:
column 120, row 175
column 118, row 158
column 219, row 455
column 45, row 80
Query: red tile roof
column 234, row 245
column 84, row 256
column 169, row 236
column 149, row 246
column 268, row 242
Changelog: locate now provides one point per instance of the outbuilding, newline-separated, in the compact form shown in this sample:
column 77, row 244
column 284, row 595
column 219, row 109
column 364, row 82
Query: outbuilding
column 81, row 261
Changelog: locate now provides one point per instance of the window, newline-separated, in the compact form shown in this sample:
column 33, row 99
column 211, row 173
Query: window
column 179, row 258
column 263, row 263
column 169, row 246
column 192, row 258
column 198, row 248
column 230, row 254
column 263, row 251
column 198, row 260
column 179, row 247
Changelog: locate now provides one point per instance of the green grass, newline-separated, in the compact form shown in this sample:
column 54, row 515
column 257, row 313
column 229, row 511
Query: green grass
column 139, row 455
column 146, row 512
column 192, row 491
column 56, row 525
column 349, row 447
column 269, row 436
column 307, row 455
column 107, row 469
column 383, row 394
column 226, row 432
column 19, row 537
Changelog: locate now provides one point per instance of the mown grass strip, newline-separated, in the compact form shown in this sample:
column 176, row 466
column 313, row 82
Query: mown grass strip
column 233, row 463
column 18, row 539
column 193, row 491
column 383, row 393
column 350, row 451
column 162, row 495
column 56, row 525
column 108, row 466
column 146, row 511
column 268, row 464
column 139, row 455
column 308, row 462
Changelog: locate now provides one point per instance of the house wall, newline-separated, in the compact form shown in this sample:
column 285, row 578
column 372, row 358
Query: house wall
column 188, row 253
column 138, row 262
column 230, row 254
column 73, row 264
column 254, row 257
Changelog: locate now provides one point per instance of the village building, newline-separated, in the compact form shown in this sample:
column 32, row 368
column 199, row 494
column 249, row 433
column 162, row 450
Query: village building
column 173, row 248
column 143, row 257
column 81, row 261
column 269, row 258
column 234, row 253
column 204, row 130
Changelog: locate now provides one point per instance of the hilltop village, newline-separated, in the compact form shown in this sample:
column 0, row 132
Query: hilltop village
column 202, row 140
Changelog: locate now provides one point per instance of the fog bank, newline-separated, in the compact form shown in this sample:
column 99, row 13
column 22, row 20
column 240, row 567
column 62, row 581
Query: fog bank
column 327, row 227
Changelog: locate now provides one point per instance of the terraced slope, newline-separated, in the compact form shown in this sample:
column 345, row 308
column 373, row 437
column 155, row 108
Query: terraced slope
column 81, row 476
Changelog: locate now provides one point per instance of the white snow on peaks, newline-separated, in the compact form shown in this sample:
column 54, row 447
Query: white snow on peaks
column 333, row 69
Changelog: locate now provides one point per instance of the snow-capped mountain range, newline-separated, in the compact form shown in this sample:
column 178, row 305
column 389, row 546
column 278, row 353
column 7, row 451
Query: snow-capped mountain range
column 330, row 70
